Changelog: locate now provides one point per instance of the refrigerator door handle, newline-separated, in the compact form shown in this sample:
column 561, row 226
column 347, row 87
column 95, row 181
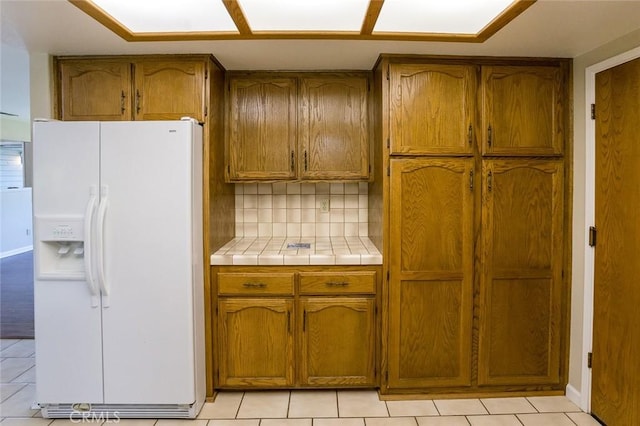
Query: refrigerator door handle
column 102, row 214
column 88, row 246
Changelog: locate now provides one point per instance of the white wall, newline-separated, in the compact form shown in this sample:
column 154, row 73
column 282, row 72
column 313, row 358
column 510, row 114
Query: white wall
column 15, row 205
column 16, row 231
column 579, row 245
column 41, row 99
column 14, row 81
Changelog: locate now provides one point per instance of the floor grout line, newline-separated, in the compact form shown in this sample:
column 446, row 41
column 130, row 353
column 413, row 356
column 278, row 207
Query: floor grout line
column 240, row 405
column 21, row 386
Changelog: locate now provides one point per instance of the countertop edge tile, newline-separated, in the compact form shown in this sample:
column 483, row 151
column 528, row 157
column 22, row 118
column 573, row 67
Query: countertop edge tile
column 324, row 251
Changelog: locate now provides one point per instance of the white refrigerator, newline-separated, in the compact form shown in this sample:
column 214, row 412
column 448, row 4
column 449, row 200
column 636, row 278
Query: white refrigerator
column 119, row 310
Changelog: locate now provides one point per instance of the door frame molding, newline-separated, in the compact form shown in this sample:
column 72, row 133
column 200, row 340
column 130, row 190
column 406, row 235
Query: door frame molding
column 589, row 212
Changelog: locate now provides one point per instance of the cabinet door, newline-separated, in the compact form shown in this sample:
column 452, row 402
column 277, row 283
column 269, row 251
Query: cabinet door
column 261, row 124
column 255, row 342
column 334, row 128
column 338, row 341
column 95, row 90
column 431, row 109
column 169, row 90
column 522, row 111
column 521, row 284
column 431, row 273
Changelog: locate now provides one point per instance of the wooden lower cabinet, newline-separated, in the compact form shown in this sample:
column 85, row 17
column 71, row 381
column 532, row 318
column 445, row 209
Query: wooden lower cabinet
column 338, row 341
column 287, row 327
column 256, row 341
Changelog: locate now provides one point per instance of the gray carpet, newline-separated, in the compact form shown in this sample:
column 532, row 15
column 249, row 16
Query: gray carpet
column 16, row 296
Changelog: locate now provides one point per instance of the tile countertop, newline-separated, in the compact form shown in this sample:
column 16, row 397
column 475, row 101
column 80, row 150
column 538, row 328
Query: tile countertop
column 274, row 251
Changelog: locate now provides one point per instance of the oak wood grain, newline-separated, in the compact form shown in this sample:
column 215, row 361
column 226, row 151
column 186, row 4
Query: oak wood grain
column 95, row 90
column 256, row 283
column 261, row 128
column 615, row 396
column 237, row 15
column 431, row 269
column 523, row 110
column 333, row 129
column 321, row 283
column 339, row 317
column 337, row 341
column 432, row 109
column 521, row 283
column 256, row 342
column 160, row 88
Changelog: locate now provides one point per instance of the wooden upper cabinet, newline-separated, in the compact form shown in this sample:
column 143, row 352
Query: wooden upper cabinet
column 432, row 109
column 338, row 341
column 125, row 88
column 333, row 130
column 95, row 90
column 431, row 272
column 521, row 283
column 169, row 90
column 261, row 125
column 522, row 110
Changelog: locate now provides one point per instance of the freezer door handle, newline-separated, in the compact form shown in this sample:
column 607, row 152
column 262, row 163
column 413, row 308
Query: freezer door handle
column 88, row 248
column 102, row 214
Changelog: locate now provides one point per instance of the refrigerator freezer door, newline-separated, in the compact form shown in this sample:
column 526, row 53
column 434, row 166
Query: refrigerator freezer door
column 67, row 324
column 148, row 326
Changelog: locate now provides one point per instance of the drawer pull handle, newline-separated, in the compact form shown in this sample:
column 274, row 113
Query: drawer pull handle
column 254, row 285
column 337, row 284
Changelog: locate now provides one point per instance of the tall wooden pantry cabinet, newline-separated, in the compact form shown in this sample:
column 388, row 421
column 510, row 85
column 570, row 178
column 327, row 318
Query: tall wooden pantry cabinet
column 471, row 183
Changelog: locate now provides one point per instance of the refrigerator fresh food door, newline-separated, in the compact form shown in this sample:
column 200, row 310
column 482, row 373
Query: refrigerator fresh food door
column 68, row 332
column 146, row 275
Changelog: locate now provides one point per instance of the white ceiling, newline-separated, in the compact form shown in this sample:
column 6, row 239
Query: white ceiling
column 554, row 28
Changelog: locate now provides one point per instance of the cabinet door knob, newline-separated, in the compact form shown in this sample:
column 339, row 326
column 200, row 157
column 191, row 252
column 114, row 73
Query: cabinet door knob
column 470, row 134
column 293, row 162
column 122, row 98
column 137, row 101
column 490, row 181
column 337, row 284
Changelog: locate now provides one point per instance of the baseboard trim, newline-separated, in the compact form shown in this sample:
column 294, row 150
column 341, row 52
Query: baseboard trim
column 574, row 396
column 15, row 251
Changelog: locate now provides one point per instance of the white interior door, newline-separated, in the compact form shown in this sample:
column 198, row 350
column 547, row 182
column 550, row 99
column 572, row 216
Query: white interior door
column 148, row 324
column 67, row 322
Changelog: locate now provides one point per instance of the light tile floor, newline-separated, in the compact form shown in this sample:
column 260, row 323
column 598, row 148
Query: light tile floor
column 300, row 408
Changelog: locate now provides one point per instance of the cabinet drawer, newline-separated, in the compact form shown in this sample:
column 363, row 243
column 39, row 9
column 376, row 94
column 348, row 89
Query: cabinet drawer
column 255, row 284
column 338, row 283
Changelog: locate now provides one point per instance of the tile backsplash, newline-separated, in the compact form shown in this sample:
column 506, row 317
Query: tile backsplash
column 294, row 210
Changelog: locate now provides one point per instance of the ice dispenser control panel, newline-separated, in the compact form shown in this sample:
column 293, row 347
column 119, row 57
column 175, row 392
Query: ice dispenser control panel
column 67, row 229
